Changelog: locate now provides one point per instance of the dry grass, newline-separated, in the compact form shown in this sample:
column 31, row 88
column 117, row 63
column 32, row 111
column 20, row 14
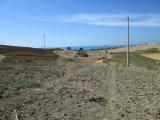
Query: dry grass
column 14, row 115
column 82, row 86
column 70, row 59
column 93, row 55
column 155, row 56
column 72, row 71
column 28, row 57
column 1, row 57
column 136, row 59
column 135, row 48
column 65, row 53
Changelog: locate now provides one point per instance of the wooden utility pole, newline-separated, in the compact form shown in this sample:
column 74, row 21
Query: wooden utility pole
column 44, row 41
column 128, row 41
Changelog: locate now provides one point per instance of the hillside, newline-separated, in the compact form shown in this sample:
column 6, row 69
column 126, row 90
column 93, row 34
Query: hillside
column 25, row 54
column 38, row 85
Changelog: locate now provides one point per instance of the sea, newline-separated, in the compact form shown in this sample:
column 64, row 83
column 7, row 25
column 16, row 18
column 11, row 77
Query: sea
column 93, row 47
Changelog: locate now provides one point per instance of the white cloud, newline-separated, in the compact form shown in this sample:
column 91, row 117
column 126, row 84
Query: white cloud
column 148, row 20
column 145, row 20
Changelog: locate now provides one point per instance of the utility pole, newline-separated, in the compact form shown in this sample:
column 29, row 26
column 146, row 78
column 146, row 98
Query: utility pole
column 44, row 41
column 128, row 41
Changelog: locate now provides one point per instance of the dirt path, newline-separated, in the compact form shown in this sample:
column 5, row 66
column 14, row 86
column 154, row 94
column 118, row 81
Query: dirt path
column 110, row 87
column 1, row 57
column 131, row 93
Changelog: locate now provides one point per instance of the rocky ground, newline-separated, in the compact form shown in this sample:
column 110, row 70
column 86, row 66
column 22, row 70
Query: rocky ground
column 78, row 91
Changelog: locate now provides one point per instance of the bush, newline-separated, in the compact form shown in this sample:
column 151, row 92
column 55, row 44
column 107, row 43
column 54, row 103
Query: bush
column 68, row 48
column 80, row 49
column 31, row 84
column 82, row 54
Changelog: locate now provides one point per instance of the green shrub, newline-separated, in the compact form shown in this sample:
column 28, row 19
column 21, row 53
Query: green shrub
column 68, row 48
column 82, row 53
column 80, row 49
column 31, row 84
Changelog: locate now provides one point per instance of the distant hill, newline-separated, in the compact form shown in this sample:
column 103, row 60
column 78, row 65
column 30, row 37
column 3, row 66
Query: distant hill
column 10, row 49
column 26, row 54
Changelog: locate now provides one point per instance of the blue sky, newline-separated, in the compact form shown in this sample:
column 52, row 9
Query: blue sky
column 78, row 22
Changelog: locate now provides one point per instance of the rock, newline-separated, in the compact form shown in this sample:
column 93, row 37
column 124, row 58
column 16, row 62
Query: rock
column 99, row 100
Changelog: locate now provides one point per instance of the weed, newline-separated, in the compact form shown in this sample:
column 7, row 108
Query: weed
column 31, row 84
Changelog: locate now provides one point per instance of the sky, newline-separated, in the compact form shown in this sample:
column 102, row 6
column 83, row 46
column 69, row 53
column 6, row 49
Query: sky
column 78, row 22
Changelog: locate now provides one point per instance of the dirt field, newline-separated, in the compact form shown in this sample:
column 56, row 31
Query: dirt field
column 155, row 56
column 96, row 55
column 79, row 91
column 92, row 55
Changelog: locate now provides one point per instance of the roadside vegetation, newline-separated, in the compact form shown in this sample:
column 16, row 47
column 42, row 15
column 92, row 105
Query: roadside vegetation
column 137, row 59
column 82, row 53
column 151, row 50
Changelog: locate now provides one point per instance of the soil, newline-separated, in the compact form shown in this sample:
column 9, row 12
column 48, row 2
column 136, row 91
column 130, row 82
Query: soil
column 79, row 91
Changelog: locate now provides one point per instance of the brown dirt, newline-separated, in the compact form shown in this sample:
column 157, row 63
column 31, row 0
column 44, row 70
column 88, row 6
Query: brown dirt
column 65, row 53
column 94, row 91
column 92, row 55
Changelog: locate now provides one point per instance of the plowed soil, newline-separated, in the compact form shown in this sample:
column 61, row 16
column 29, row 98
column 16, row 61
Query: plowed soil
column 79, row 91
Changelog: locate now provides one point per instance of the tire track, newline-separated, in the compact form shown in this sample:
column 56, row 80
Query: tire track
column 110, row 86
column 1, row 57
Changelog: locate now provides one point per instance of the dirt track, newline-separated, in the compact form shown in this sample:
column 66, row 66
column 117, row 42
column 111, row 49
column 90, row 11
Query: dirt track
column 1, row 57
column 94, row 91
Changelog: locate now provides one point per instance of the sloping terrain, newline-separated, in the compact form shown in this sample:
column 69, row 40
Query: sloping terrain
column 136, row 48
column 155, row 56
column 138, row 59
column 10, row 49
column 25, row 54
column 78, row 91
